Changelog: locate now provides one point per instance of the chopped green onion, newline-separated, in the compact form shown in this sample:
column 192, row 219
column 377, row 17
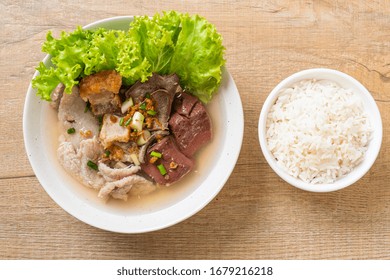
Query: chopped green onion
column 92, row 165
column 87, row 106
column 100, row 120
column 156, row 154
column 162, row 169
column 148, row 95
column 71, row 130
column 142, row 106
column 121, row 121
column 107, row 153
column 128, row 122
column 151, row 112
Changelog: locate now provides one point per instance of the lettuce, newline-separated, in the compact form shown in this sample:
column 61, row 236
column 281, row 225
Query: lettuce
column 198, row 57
column 169, row 43
column 130, row 63
column 67, row 54
column 102, row 51
column 45, row 82
column 155, row 42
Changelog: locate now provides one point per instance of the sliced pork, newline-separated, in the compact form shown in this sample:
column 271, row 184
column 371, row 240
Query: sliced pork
column 115, row 182
column 174, row 161
column 77, row 124
column 119, row 189
column 75, row 161
column 113, row 174
column 102, row 91
column 190, row 124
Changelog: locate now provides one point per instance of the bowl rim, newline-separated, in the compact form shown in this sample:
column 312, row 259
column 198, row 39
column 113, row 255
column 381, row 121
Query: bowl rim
column 183, row 209
column 348, row 179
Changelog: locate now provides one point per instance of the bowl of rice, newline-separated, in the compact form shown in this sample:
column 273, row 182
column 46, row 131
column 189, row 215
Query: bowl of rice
column 320, row 130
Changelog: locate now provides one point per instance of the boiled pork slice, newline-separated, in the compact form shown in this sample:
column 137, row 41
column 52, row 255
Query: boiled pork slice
column 174, row 161
column 102, row 91
column 117, row 183
column 75, row 161
column 131, row 185
column 112, row 174
column 121, row 182
column 190, row 124
column 112, row 131
column 72, row 116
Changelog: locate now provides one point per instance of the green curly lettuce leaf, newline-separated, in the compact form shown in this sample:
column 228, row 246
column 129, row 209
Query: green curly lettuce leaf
column 67, row 55
column 198, row 57
column 45, row 82
column 169, row 43
column 155, row 42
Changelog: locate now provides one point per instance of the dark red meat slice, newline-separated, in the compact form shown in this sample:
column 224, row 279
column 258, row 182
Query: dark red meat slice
column 184, row 103
column 190, row 124
column 175, row 162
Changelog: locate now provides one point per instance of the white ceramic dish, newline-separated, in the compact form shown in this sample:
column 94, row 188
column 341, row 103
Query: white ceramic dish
column 164, row 208
column 345, row 81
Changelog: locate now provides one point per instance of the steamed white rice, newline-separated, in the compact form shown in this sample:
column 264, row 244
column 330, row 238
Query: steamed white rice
column 318, row 131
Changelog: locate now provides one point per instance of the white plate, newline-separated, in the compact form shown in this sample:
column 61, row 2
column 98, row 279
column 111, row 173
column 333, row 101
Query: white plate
column 161, row 209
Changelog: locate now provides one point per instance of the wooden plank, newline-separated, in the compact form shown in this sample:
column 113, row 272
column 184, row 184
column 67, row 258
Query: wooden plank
column 257, row 215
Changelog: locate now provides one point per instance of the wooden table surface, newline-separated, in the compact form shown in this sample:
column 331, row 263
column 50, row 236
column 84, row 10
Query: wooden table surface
column 256, row 215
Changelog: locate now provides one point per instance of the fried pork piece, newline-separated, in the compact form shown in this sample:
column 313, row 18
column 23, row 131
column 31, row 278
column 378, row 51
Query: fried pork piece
column 113, row 131
column 102, row 91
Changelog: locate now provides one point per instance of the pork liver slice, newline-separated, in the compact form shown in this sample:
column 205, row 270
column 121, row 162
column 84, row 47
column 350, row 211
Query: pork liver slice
column 190, row 124
column 175, row 162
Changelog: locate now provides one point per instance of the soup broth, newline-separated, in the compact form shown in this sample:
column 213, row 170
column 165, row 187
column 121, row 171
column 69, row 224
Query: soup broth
column 164, row 196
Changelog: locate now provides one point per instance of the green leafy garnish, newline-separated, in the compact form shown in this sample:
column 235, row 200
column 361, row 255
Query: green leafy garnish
column 155, row 154
column 71, row 130
column 162, row 169
column 151, row 112
column 92, row 165
column 169, row 43
column 128, row 122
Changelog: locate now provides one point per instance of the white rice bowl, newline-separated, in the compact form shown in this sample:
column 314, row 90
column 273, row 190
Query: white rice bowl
column 320, row 130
